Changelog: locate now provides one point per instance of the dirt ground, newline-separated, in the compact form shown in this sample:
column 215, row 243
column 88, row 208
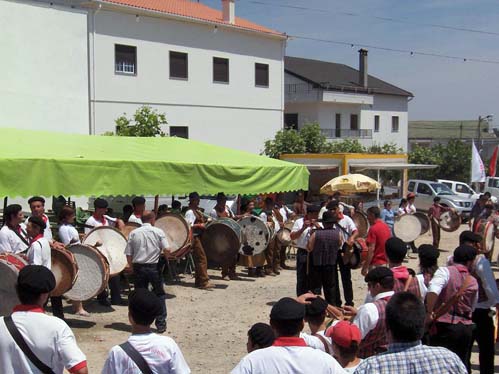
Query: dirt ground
column 210, row 326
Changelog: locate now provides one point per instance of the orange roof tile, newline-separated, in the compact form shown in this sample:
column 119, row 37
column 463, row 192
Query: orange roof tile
column 190, row 9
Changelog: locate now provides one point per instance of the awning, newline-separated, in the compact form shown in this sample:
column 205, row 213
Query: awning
column 391, row 166
column 46, row 163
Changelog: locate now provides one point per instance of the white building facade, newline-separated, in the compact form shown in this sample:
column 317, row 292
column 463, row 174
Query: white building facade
column 218, row 80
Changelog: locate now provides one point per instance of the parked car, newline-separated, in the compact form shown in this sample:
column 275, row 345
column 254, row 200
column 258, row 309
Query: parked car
column 426, row 191
column 492, row 186
column 463, row 189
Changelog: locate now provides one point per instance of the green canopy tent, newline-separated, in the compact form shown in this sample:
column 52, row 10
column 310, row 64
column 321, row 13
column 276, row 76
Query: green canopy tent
column 46, row 163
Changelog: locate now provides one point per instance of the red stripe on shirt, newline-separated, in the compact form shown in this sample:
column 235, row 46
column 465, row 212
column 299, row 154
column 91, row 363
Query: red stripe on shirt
column 289, row 341
column 28, row 308
column 77, row 367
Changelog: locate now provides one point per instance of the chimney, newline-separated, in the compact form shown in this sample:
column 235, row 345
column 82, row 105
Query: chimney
column 363, row 67
column 229, row 11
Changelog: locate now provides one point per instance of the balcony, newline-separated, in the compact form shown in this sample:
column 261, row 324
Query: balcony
column 347, row 133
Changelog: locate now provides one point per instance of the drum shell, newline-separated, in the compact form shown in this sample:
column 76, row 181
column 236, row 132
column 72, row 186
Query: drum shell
column 425, row 222
column 221, row 240
column 65, row 270
column 256, row 236
column 176, row 229
column 284, row 236
column 112, row 248
column 486, row 229
column 10, row 265
column 129, row 227
column 360, row 220
column 407, row 227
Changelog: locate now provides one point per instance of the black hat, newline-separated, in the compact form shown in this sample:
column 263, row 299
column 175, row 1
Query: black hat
column 36, row 198
column 377, row 274
column 329, row 217
column 313, row 208
column 35, row 279
column 469, row 236
column 428, row 252
column 138, row 200
column 38, row 221
column 261, row 334
column 287, row 309
column 143, row 302
column 221, row 197
column 395, row 249
column 100, row 203
column 464, row 253
column 332, row 205
column 193, row 196
column 316, row 307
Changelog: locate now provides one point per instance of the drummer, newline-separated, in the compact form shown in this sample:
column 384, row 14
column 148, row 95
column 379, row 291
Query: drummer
column 272, row 252
column 13, row 236
column 300, row 205
column 99, row 218
column 411, row 207
column 39, row 253
column 139, row 205
column 434, row 213
column 221, row 210
column 69, row 235
column 196, row 219
column 287, row 215
column 37, row 206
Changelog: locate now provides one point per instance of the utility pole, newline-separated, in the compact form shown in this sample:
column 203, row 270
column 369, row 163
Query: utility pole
column 479, row 132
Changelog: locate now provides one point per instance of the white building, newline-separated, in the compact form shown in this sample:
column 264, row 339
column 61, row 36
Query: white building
column 78, row 65
column 347, row 103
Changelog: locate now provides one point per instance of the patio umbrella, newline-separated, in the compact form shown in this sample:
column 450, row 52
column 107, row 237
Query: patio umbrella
column 350, row 183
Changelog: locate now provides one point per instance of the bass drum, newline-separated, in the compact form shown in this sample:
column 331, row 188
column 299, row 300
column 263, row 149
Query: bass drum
column 65, row 271
column 425, row 222
column 487, row 230
column 93, row 273
column 128, row 228
column 358, row 256
column 221, row 240
column 256, row 236
column 449, row 221
column 360, row 220
column 407, row 228
column 10, row 266
column 112, row 246
column 176, row 229
column 284, row 236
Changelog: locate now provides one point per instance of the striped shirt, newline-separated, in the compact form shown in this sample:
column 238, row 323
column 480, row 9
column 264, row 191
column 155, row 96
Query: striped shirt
column 413, row 358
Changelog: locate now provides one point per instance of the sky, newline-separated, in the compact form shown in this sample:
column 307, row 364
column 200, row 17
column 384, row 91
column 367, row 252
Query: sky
column 444, row 89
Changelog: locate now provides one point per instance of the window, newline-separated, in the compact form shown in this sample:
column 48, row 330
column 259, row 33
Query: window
column 178, row 65
column 424, row 189
column 125, row 59
column 291, row 121
column 262, row 75
column 354, row 122
column 376, row 123
column 220, row 70
column 462, row 188
column 338, row 125
column 395, row 124
column 410, row 187
column 179, row 131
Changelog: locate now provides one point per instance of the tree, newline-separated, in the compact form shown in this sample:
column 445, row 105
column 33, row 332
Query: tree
column 388, row 148
column 147, row 122
column 315, row 141
column 285, row 141
column 346, row 146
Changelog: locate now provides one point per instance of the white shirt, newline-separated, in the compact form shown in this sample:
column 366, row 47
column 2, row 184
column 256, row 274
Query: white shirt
column 39, row 253
column 423, row 290
column 264, row 217
column 401, row 211
column 47, row 233
column 440, row 280
column 349, row 225
column 285, row 212
column 190, row 217
column 50, row 339
column 322, row 211
column 10, row 242
column 411, row 208
column 161, row 353
column 68, row 234
column 367, row 316
column 352, row 369
column 134, row 219
column 287, row 360
column 214, row 213
column 91, row 221
column 145, row 244
column 316, row 343
column 483, row 270
column 302, row 241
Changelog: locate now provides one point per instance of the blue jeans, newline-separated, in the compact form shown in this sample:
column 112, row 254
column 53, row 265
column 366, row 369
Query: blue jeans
column 148, row 273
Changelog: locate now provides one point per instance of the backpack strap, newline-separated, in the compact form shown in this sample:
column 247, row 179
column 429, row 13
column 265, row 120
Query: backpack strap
column 136, row 357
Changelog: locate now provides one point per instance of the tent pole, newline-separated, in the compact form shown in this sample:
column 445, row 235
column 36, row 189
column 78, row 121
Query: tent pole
column 156, row 204
column 5, row 201
column 377, row 193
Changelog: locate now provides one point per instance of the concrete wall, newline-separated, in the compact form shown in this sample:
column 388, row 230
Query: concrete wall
column 44, row 82
column 237, row 114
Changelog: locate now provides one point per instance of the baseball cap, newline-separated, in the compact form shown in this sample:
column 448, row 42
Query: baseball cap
column 344, row 333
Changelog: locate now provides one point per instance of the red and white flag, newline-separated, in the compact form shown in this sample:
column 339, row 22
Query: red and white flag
column 493, row 162
column 477, row 167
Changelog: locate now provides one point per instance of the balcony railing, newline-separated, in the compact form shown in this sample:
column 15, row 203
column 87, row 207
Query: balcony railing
column 347, row 133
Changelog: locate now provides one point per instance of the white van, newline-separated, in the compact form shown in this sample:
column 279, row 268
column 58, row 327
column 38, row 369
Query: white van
column 460, row 189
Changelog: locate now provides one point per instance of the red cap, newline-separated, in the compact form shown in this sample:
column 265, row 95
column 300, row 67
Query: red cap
column 410, row 195
column 344, row 333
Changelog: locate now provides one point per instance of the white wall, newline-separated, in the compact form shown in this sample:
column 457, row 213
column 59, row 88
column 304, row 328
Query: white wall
column 237, row 114
column 44, row 81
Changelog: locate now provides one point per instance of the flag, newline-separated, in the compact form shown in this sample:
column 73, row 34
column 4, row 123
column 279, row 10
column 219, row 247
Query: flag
column 477, row 167
column 493, row 162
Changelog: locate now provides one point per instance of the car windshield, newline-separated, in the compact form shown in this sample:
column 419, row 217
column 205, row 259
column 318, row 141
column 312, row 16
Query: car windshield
column 442, row 189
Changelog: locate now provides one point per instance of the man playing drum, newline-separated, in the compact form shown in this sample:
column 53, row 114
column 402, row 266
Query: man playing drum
column 145, row 246
column 195, row 218
column 99, row 218
column 434, row 214
column 273, row 250
column 286, row 214
column 13, row 236
column 37, row 206
column 139, row 205
column 221, row 210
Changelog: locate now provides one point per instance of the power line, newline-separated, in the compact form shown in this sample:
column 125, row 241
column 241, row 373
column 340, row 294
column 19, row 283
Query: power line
column 386, row 19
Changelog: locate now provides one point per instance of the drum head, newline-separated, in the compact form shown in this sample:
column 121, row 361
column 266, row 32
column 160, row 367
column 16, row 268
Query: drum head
column 255, row 236
column 284, row 236
column 221, row 241
column 9, row 270
column 176, row 229
column 360, row 220
column 113, row 246
column 93, row 272
column 64, row 269
column 425, row 222
column 488, row 239
column 129, row 227
column 407, row 228
column 449, row 221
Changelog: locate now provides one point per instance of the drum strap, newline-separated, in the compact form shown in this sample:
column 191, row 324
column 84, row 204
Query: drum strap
column 136, row 357
column 23, row 238
column 323, row 340
column 21, row 343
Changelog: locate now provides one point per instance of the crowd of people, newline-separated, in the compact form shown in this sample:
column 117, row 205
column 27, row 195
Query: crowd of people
column 412, row 321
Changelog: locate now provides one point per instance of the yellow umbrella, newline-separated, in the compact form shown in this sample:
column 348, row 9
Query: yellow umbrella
column 350, row 183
